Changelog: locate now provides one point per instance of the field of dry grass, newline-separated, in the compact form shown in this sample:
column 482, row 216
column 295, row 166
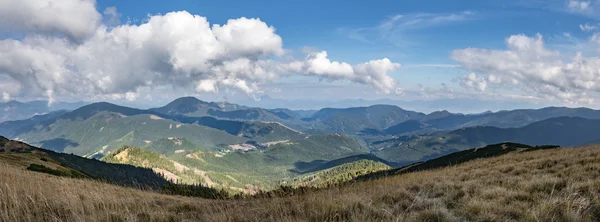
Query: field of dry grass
column 545, row 185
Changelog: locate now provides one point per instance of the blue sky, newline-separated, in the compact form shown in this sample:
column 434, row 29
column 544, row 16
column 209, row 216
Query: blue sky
column 329, row 24
column 517, row 46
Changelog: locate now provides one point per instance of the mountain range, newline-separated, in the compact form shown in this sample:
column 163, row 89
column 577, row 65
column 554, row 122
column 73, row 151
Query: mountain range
column 15, row 110
column 233, row 146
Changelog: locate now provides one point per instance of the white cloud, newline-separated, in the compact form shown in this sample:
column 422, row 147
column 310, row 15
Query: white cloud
column 530, row 66
column 587, row 27
column 9, row 87
column 578, row 6
column 319, row 64
column 394, row 29
column 131, row 96
column 420, row 20
column 5, row 96
column 177, row 49
column 588, row 8
column 76, row 19
column 472, row 81
column 207, row 85
column 374, row 72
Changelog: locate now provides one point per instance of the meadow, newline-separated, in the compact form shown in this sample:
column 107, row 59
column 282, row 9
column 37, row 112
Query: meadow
column 543, row 185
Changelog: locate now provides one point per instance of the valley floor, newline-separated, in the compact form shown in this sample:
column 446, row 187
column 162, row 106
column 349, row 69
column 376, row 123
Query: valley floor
column 545, row 185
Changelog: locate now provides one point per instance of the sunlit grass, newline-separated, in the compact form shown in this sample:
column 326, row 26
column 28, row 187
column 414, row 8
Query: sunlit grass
column 545, row 185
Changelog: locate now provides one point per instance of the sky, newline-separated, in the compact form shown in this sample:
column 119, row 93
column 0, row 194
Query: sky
column 469, row 56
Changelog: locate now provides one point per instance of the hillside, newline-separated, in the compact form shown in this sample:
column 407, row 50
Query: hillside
column 241, row 165
column 24, row 156
column 457, row 158
column 12, row 128
column 562, row 131
column 337, row 174
column 543, row 185
column 105, row 131
column 95, row 129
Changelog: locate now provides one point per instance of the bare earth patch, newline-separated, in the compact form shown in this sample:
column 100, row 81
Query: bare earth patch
column 123, row 155
column 155, row 117
column 242, row 147
column 268, row 144
column 166, row 174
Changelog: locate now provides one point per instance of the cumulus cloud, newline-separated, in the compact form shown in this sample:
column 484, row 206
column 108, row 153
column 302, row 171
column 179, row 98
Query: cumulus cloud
column 472, row 81
column 177, row 49
column 77, row 19
column 373, row 73
column 584, row 7
column 533, row 68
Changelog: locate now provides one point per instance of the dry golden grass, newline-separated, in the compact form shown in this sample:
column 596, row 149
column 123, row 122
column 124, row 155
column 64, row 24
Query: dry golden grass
column 546, row 185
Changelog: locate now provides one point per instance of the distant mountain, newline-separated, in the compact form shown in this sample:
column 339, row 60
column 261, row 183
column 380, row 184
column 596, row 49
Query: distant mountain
column 14, row 110
column 457, row 158
column 353, row 120
column 444, row 120
column 90, row 110
column 507, row 119
column 404, row 127
column 191, row 106
column 562, row 131
column 95, row 129
column 456, row 105
column 12, row 128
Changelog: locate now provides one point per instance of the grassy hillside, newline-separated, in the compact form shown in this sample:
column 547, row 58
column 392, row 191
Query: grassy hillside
column 233, row 168
column 24, row 156
column 457, row 158
column 337, row 174
column 169, row 169
column 543, row 185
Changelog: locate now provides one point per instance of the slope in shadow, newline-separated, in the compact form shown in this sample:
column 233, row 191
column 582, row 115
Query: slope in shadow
column 457, row 158
column 317, row 165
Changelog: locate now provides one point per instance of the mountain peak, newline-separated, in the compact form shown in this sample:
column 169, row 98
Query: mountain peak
column 186, row 99
column 89, row 110
column 182, row 106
